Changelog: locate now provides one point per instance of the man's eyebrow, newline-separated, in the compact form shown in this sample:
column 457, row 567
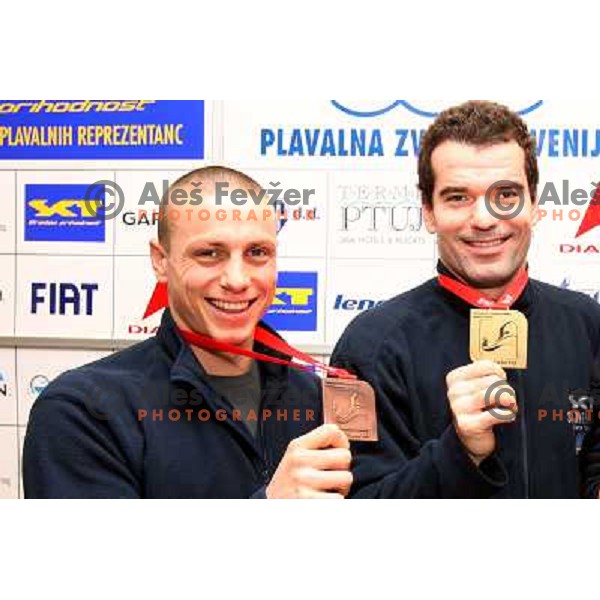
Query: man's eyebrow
column 263, row 243
column 221, row 244
column 453, row 190
column 463, row 190
column 511, row 184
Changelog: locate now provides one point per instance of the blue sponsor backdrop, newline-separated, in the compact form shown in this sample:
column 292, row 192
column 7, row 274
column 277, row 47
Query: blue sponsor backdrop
column 26, row 126
column 60, row 213
column 295, row 305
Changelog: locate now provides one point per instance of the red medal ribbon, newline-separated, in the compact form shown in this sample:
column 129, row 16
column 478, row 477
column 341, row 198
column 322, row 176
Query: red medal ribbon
column 270, row 341
column 472, row 296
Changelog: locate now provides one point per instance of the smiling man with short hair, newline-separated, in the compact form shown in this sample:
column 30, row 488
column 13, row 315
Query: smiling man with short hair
column 199, row 411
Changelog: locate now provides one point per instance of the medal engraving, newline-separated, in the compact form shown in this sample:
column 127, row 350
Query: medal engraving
column 350, row 405
column 500, row 336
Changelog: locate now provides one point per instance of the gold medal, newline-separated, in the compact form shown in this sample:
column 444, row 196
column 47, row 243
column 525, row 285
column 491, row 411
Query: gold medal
column 500, row 336
column 350, row 404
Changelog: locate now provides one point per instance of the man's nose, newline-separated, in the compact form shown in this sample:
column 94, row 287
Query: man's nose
column 482, row 217
column 235, row 276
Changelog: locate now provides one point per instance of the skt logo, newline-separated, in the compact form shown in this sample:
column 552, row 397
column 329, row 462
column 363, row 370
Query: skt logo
column 295, row 305
column 62, row 213
column 72, row 207
column 293, row 296
column 431, row 112
column 63, row 298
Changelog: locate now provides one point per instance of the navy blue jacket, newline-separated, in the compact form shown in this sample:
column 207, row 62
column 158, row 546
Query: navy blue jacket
column 406, row 347
column 144, row 423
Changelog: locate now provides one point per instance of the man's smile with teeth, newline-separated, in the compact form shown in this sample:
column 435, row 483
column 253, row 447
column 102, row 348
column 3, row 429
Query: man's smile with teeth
column 491, row 243
column 230, row 306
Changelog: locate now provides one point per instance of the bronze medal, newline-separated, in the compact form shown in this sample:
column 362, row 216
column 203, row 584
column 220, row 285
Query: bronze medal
column 350, row 404
column 500, row 336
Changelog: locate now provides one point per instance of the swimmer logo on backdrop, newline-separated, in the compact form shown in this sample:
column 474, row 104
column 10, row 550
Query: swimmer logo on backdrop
column 101, row 129
column 61, row 213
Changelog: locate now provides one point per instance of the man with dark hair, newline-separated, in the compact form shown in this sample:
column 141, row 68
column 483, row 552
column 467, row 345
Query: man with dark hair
column 207, row 408
column 478, row 124
column 476, row 372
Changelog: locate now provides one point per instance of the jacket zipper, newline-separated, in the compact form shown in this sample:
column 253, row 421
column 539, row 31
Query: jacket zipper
column 239, row 428
column 267, row 398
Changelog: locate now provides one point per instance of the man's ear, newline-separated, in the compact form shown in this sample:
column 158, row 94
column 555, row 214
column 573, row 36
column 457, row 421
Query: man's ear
column 429, row 217
column 159, row 260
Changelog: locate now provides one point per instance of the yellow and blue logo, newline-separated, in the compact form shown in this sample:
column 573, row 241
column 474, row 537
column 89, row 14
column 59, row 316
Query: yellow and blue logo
column 295, row 304
column 61, row 213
